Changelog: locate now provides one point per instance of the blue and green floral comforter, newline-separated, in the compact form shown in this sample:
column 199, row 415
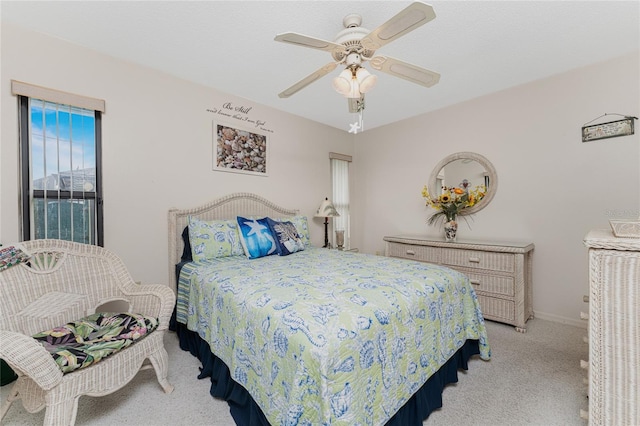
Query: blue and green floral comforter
column 323, row 337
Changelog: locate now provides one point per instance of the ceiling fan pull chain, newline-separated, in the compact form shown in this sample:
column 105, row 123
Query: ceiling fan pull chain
column 359, row 124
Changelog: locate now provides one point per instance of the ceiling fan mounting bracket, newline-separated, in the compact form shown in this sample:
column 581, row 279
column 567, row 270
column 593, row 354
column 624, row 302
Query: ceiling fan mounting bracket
column 350, row 38
column 352, row 20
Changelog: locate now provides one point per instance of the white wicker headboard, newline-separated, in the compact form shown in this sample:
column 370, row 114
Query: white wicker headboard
column 227, row 207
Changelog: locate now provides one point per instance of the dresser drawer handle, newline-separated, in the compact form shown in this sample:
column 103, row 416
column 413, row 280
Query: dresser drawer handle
column 411, row 252
column 474, row 259
column 475, row 282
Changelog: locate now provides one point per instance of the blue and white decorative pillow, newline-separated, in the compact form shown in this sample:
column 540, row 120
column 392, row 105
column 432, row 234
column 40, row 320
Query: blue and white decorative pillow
column 256, row 238
column 211, row 239
column 300, row 222
column 287, row 237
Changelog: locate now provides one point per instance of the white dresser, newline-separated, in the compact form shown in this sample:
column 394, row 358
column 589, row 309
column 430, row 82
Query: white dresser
column 614, row 329
column 500, row 272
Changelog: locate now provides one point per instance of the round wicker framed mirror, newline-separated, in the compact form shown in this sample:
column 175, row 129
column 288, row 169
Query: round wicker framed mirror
column 465, row 169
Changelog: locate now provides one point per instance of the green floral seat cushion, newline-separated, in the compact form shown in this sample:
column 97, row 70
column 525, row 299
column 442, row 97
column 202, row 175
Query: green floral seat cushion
column 86, row 341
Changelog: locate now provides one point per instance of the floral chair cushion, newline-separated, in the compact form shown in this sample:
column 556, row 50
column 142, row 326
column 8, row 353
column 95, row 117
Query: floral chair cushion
column 86, row 341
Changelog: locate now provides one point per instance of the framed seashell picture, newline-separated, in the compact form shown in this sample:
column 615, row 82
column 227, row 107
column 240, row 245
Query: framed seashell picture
column 239, row 150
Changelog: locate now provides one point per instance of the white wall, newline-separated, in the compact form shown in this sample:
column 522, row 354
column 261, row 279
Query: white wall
column 157, row 151
column 552, row 187
column 157, row 147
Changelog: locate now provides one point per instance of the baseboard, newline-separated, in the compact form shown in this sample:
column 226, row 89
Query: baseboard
column 563, row 320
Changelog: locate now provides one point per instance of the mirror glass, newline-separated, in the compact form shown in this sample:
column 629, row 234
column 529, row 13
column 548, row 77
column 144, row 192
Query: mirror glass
column 465, row 170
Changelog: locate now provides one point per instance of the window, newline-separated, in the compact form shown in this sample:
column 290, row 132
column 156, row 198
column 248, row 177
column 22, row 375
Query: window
column 340, row 183
column 61, row 195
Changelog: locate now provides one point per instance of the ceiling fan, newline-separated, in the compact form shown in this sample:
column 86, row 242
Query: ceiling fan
column 356, row 45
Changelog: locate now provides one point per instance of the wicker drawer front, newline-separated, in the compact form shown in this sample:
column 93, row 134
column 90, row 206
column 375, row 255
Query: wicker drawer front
column 414, row 252
column 477, row 259
column 492, row 284
column 497, row 309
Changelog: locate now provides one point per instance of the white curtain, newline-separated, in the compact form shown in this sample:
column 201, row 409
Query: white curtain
column 340, row 182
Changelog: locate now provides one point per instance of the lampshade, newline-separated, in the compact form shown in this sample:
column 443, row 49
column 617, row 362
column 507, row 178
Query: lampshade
column 342, row 83
column 354, row 90
column 353, row 85
column 326, row 209
column 365, row 79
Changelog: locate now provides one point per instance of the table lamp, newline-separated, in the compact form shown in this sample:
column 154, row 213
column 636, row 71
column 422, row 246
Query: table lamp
column 326, row 210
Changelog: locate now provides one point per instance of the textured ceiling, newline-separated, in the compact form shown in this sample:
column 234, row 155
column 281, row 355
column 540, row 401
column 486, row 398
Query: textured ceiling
column 478, row 47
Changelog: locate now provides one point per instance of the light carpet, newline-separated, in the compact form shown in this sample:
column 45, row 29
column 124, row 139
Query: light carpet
column 532, row 379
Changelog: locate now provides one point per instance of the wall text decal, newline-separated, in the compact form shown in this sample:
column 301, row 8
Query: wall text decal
column 240, row 113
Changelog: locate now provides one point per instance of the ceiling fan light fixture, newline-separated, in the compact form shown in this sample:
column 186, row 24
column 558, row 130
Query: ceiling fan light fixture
column 356, row 45
column 365, row 79
column 354, row 92
column 342, row 83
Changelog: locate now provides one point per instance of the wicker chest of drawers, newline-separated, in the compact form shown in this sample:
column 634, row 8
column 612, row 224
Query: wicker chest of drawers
column 614, row 329
column 499, row 272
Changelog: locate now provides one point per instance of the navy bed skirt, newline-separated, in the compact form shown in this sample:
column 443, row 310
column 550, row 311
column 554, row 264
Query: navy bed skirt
column 246, row 412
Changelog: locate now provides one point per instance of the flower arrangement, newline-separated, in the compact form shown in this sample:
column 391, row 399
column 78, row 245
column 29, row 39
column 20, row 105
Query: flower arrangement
column 452, row 201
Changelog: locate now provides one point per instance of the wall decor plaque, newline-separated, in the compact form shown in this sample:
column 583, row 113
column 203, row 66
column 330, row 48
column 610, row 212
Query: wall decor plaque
column 611, row 129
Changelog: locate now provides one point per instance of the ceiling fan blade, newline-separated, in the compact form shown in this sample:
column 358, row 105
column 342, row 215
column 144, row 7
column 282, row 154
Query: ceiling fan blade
column 308, row 80
column 410, row 18
column 412, row 73
column 312, row 42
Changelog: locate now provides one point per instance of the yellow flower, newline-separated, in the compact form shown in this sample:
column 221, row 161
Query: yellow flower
column 453, row 201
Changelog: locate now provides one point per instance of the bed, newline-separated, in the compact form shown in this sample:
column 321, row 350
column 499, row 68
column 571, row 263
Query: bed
column 319, row 336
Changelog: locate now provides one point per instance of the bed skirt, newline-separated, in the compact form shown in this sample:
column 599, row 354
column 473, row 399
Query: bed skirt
column 246, row 412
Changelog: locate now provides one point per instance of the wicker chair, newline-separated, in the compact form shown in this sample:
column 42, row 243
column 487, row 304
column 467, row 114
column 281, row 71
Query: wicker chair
column 63, row 282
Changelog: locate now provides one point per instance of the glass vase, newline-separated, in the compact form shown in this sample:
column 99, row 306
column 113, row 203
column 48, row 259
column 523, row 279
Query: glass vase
column 450, row 230
column 340, row 239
